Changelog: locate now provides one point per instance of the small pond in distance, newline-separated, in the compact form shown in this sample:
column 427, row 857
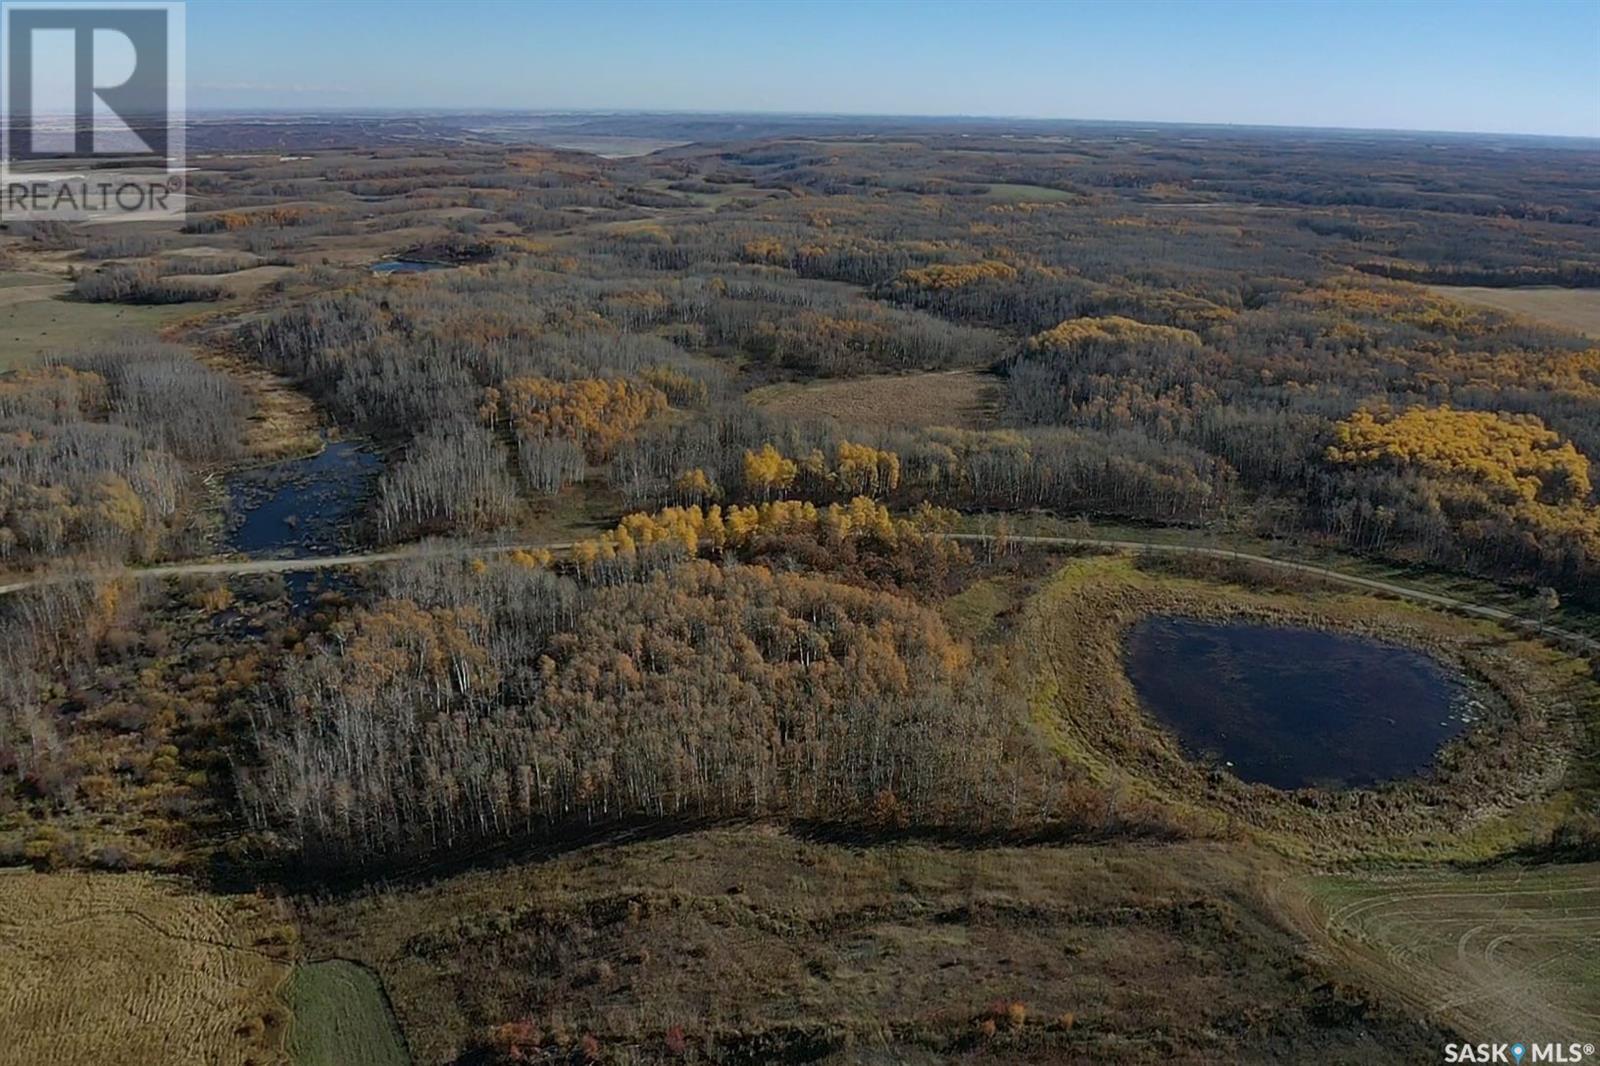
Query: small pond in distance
column 407, row 266
column 1296, row 708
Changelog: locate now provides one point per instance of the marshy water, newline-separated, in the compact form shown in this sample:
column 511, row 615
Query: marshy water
column 1292, row 707
column 302, row 506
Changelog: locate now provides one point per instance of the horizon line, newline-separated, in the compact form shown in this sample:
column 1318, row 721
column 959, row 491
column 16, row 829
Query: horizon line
column 861, row 116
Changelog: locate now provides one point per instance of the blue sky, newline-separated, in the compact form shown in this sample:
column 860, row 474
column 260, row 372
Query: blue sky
column 1524, row 67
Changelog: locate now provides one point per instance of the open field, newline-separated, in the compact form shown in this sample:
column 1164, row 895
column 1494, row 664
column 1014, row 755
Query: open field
column 35, row 321
column 1512, row 951
column 893, row 953
column 239, row 283
column 962, row 398
column 341, row 1018
column 101, row 968
column 22, row 279
column 1013, row 193
column 1574, row 309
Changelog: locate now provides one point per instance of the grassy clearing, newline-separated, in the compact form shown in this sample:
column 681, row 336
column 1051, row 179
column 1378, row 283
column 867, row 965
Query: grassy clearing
column 102, row 968
column 1574, row 309
column 1496, row 788
column 25, row 279
column 892, row 953
column 44, row 324
column 1507, row 951
column 975, row 611
column 963, row 398
column 341, row 1018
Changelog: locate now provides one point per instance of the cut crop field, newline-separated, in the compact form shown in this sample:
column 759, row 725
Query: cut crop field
column 1574, row 309
column 961, row 398
column 341, row 1018
column 103, row 968
column 1505, row 952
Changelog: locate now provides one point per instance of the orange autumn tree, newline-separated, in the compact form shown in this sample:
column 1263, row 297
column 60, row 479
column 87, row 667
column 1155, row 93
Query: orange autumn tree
column 1514, row 455
column 691, row 530
column 1504, row 478
column 856, row 470
column 957, row 275
column 596, row 413
column 767, row 472
column 1111, row 332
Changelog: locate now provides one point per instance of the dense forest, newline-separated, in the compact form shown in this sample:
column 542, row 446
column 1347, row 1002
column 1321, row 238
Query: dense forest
column 1178, row 338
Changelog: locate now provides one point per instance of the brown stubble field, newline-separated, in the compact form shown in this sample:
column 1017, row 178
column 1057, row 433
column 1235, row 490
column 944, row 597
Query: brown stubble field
column 98, row 968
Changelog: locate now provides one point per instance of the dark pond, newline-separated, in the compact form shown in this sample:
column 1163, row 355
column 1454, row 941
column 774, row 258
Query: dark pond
column 407, row 266
column 303, row 506
column 1294, row 708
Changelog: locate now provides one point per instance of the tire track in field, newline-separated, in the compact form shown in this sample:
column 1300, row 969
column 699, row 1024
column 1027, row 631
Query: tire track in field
column 1482, row 952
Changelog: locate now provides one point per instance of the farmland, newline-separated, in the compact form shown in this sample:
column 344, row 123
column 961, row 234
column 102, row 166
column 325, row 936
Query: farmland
column 902, row 951
column 1492, row 952
column 134, row 968
column 340, row 1016
column 35, row 321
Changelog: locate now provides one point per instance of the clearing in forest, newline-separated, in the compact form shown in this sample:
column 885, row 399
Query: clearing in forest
column 101, row 968
column 1550, row 305
column 37, row 320
column 1507, row 951
column 963, row 398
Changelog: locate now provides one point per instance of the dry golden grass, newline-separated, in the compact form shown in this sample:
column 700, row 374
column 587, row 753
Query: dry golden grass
column 1574, row 309
column 239, row 284
column 283, row 421
column 962, row 398
column 135, row 969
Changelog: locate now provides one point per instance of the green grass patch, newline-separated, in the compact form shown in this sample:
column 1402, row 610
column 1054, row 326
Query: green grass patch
column 31, row 329
column 341, row 1018
column 972, row 612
